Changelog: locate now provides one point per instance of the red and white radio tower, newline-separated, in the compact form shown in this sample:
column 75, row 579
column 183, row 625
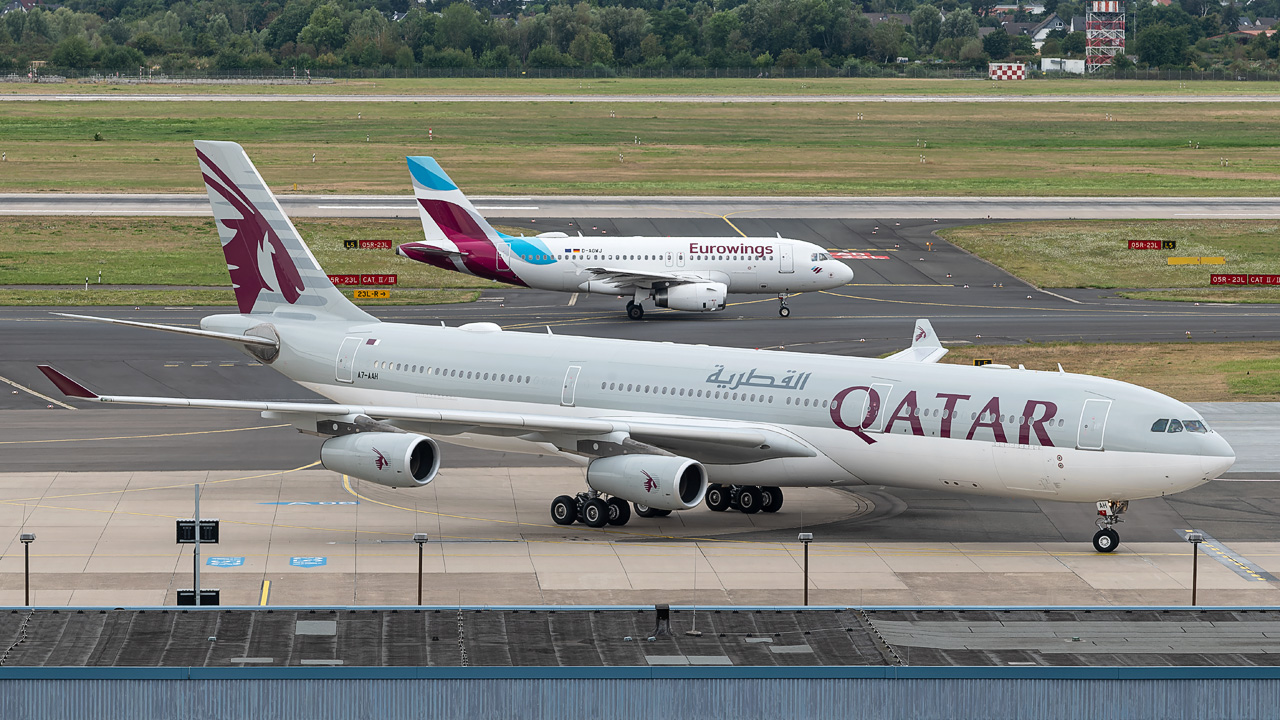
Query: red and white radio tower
column 1104, row 33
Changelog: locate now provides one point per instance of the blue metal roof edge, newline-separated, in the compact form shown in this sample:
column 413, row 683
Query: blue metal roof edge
column 644, row 673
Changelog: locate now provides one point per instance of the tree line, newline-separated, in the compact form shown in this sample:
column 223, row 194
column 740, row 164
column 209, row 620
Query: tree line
column 269, row 36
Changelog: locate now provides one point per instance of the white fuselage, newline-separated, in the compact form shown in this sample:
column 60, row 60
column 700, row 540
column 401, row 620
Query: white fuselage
column 1004, row 432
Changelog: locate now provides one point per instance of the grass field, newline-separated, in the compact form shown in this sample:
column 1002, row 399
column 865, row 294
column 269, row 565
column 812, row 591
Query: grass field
column 680, row 86
column 686, row 149
column 185, row 252
column 1190, row 372
column 1094, row 253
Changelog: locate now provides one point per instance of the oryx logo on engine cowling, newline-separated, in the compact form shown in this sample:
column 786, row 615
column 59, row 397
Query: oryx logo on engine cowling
column 380, row 461
column 649, row 483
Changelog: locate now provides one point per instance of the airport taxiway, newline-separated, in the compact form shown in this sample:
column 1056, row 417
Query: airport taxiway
column 101, row 485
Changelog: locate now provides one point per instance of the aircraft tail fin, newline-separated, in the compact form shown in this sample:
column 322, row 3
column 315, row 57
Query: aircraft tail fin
column 272, row 269
column 445, row 210
column 925, row 345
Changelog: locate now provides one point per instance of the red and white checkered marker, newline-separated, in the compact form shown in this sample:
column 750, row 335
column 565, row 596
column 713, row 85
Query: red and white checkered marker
column 1007, row 71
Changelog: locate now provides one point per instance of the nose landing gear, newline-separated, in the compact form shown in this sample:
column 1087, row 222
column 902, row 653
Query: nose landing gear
column 783, row 310
column 1109, row 512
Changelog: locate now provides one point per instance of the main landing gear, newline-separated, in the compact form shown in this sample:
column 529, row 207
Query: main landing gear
column 746, row 498
column 783, row 310
column 635, row 310
column 594, row 511
column 1109, row 512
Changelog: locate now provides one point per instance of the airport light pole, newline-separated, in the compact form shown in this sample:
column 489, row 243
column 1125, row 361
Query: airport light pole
column 421, row 539
column 1195, row 538
column 806, row 538
column 27, row 539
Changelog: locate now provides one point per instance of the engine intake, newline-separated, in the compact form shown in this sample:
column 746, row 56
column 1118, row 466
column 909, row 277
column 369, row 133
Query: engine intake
column 391, row 459
column 692, row 297
column 659, row 481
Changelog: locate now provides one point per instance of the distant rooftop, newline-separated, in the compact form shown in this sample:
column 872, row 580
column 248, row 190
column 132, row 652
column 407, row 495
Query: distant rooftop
column 620, row 637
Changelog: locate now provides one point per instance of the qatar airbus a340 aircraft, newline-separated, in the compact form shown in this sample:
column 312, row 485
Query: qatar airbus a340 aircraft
column 681, row 273
column 662, row 426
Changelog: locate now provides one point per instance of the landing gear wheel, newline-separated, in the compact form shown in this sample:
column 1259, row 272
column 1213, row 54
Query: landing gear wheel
column 784, row 311
column 660, row 513
column 635, row 310
column 772, row 499
column 1106, row 540
column 645, row 511
column 750, row 499
column 718, row 498
column 595, row 513
column 619, row 511
column 564, row 510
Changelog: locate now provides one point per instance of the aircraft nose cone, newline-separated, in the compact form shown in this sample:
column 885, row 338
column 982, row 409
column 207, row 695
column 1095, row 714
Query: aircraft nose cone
column 845, row 274
column 1218, row 457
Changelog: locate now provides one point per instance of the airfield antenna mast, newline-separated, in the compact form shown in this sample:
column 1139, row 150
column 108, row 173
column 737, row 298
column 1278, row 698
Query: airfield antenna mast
column 1104, row 33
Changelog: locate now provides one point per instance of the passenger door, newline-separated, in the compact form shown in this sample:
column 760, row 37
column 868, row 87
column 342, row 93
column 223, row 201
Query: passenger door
column 1093, row 424
column 346, row 361
column 570, row 387
column 785, row 262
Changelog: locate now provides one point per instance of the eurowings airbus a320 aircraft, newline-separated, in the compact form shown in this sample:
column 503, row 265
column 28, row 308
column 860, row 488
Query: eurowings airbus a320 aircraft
column 656, row 423
column 681, row 273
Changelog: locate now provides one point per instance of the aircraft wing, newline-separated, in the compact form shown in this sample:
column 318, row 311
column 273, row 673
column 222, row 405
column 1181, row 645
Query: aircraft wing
column 674, row 433
column 624, row 278
column 925, row 346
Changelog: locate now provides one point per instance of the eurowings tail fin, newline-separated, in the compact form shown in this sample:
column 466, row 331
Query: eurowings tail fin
column 925, row 346
column 444, row 210
column 272, row 269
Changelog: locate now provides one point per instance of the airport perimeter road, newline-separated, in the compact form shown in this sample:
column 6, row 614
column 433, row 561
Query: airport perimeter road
column 524, row 208
column 617, row 99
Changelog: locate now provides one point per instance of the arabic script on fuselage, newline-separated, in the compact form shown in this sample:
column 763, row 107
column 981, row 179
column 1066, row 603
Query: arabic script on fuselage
column 790, row 380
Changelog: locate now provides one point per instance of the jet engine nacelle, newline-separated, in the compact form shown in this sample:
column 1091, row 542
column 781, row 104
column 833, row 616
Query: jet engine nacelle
column 659, row 481
column 693, row 297
column 391, row 459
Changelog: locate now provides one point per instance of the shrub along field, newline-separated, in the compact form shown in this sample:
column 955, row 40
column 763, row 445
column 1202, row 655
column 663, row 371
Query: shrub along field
column 1094, row 253
column 708, row 148
column 1190, row 372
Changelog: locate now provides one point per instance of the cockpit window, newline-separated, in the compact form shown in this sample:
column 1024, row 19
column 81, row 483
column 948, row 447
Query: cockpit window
column 819, row 257
column 1160, row 425
column 1175, row 426
column 1194, row 426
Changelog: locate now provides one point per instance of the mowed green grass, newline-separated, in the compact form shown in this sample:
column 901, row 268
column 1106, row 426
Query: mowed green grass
column 1191, row 371
column 1062, row 254
column 685, row 148
column 186, row 252
column 682, row 86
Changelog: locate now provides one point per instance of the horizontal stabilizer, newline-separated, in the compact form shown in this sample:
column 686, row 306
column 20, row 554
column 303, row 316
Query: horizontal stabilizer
column 925, row 346
column 244, row 339
column 69, row 387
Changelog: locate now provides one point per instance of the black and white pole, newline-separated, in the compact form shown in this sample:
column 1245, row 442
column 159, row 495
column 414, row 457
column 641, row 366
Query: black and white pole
column 27, row 539
column 806, row 538
column 421, row 539
column 1195, row 538
column 196, row 551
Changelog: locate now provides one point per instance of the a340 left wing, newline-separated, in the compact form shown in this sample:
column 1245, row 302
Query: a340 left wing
column 736, row 442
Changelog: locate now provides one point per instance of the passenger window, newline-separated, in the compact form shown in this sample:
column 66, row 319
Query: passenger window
column 1160, row 425
column 1175, row 426
column 1194, row 426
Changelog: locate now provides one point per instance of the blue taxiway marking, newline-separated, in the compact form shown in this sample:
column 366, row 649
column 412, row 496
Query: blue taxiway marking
column 224, row 561
column 1215, row 549
column 308, row 561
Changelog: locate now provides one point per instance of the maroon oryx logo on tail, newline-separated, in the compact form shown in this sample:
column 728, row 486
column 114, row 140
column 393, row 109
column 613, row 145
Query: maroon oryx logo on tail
column 256, row 257
column 649, row 483
column 380, row 461
column 920, row 333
